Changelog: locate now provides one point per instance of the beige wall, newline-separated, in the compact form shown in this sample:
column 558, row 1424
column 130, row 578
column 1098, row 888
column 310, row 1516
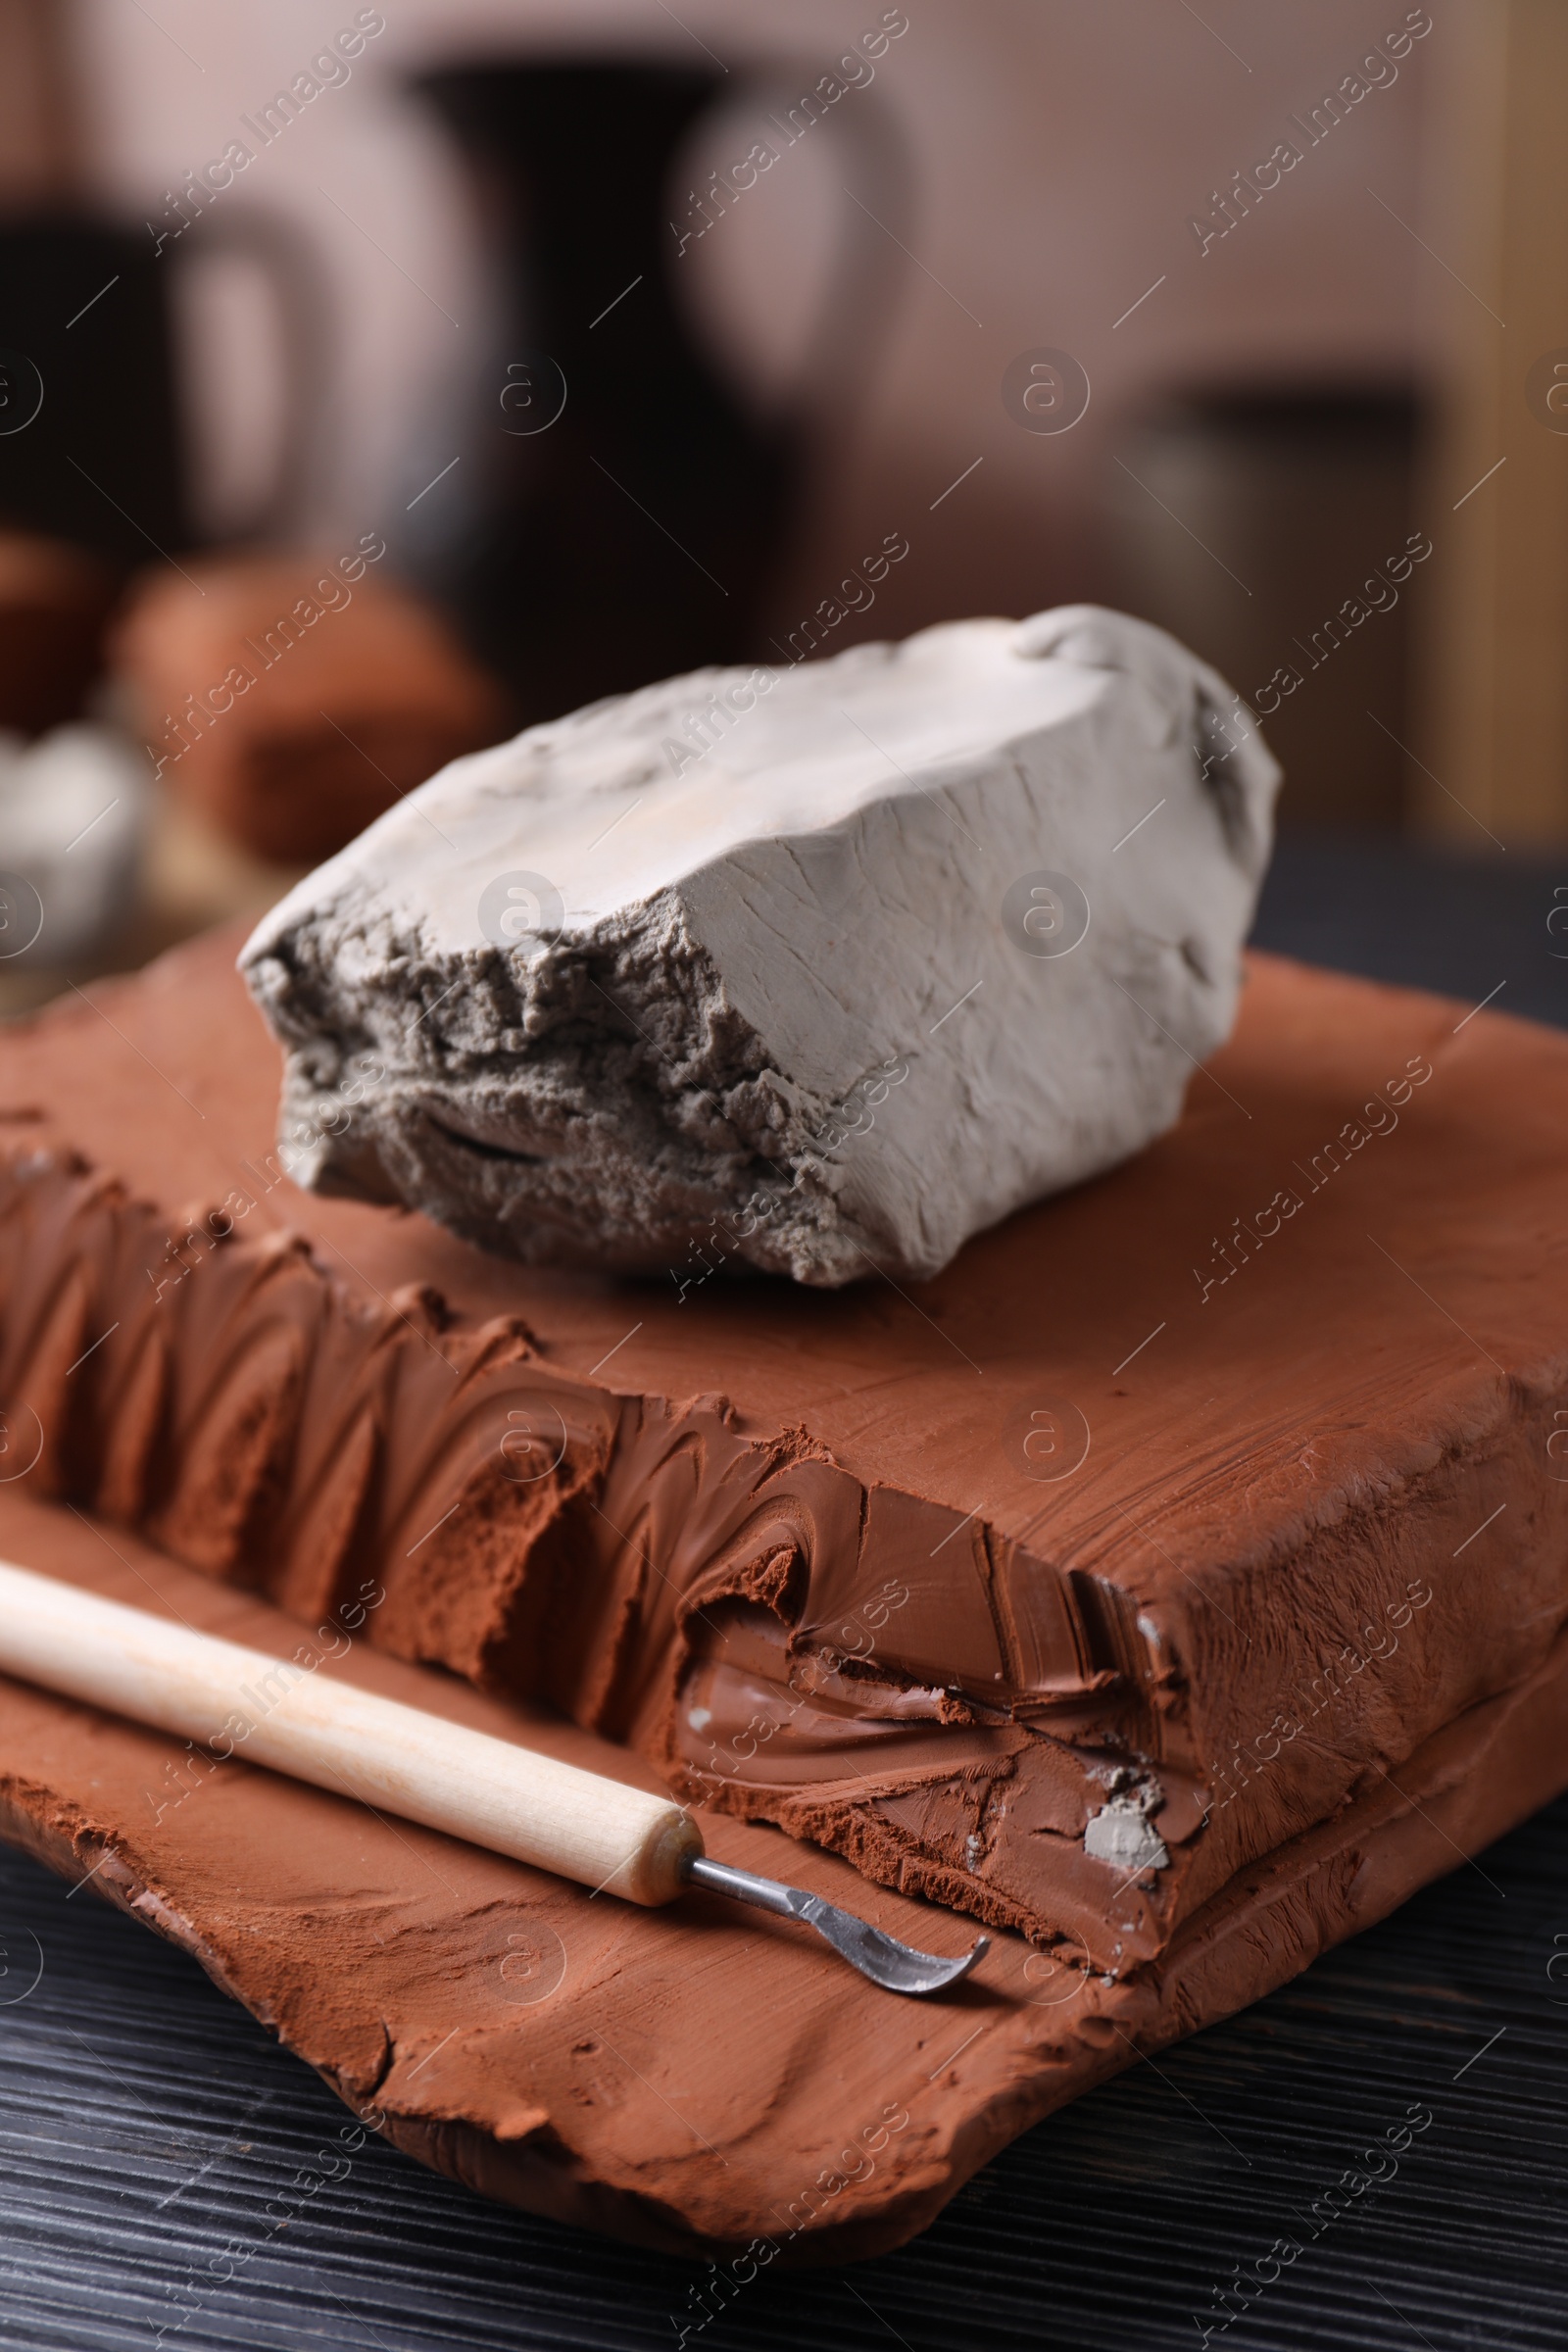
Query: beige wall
column 1058, row 151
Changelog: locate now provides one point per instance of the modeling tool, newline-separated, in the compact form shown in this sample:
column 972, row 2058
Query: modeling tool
column 270, row 1711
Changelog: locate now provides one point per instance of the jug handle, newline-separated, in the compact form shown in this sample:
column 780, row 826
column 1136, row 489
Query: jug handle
column 869, row 264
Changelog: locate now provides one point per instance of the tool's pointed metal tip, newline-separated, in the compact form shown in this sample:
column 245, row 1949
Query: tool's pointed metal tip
column 897, row 1967
column 940, row 1975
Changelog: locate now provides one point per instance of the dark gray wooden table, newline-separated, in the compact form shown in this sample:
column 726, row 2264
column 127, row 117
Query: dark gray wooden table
column 146, row 2124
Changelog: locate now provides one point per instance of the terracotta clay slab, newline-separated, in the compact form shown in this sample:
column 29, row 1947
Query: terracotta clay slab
column 1302, row 1574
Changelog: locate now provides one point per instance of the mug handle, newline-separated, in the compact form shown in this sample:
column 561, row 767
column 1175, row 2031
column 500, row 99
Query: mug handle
column 304, row 315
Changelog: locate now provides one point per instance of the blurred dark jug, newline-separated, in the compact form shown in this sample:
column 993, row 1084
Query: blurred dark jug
column 626, row 506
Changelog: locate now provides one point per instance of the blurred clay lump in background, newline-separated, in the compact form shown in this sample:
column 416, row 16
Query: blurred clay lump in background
column 293, row 698
column 54, row 601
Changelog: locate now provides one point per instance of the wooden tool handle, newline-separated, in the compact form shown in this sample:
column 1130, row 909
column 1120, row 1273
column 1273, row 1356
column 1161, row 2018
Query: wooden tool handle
column 271, row 1711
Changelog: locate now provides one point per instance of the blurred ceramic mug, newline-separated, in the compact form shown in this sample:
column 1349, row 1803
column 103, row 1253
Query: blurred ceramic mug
column 96, row 399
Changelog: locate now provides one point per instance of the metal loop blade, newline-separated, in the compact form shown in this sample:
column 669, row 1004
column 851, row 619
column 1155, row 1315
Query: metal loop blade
column 897, row 1967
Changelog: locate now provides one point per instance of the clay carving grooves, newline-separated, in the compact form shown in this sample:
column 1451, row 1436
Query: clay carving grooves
column 252, row 1416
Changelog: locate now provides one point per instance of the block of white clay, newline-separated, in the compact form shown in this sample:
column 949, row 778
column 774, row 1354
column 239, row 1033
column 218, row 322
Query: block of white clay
column 820, row 969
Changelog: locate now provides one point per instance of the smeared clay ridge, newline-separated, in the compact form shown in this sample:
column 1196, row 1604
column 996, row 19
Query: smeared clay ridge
column 266, row 1426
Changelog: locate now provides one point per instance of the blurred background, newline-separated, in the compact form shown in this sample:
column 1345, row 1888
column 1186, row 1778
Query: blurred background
column 374, row 381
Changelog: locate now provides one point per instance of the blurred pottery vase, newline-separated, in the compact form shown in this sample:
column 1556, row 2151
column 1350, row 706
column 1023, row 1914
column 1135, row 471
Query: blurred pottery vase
column 631, row 504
